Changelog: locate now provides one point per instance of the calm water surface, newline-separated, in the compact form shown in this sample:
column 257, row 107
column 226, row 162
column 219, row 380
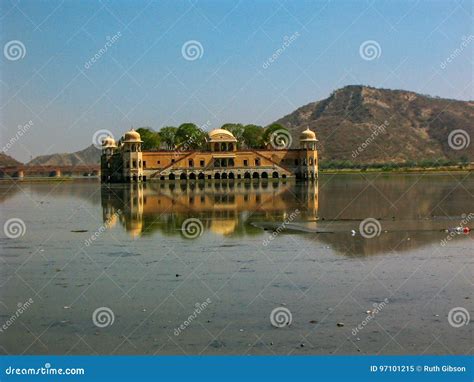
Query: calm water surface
column 198, row 269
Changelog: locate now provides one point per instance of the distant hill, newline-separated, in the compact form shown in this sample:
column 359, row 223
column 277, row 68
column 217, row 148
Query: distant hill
column 90, row 155
column 417, row 125
column 6, row 160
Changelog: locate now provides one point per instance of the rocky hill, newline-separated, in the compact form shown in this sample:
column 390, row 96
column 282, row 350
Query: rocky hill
column 90, row 155
column 409, row 126
column 6, row 160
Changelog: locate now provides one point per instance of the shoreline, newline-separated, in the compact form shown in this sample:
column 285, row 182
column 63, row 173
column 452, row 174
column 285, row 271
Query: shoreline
column 321, row 172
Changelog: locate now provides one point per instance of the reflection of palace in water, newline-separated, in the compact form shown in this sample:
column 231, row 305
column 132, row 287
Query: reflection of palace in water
column 223, row 207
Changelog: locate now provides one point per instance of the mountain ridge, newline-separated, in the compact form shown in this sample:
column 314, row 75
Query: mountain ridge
column 89, row 155
column 416, row 126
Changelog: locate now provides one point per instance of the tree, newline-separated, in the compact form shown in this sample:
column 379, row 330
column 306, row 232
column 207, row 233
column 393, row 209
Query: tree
column 237, row 130
column 189, row 137
column 168, row 136
column 253, row 136
column 150, row 138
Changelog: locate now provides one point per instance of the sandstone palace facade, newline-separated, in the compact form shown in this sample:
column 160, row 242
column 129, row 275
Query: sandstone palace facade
column 221, row 159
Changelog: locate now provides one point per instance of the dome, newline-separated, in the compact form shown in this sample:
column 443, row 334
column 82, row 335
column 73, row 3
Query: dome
column 308, row 136
column 132, row 136
column 108, row 142
column 221, row 135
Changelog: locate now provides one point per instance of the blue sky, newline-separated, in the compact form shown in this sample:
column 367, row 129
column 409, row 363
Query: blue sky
column 143, row 79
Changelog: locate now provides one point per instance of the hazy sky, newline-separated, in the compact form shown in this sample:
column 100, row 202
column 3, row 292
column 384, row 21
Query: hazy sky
column 142, row 76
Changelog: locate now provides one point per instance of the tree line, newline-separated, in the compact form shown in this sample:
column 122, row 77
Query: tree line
column 189, row 136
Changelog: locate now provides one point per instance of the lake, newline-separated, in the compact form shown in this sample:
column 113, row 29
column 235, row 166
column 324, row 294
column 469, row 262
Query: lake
column 352, row 264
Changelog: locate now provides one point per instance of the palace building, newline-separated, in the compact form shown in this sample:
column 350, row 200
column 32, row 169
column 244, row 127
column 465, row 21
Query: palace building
column 221, row 159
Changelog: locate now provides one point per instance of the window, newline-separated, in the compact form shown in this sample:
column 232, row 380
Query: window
column 201, row 163
column 231, row 162
column 246, row 162
column 217, row 163
column 157, row 162
column 190, row 163
column 144, row 164
column 257, row 162
column 134, row 164
column 172, row 160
